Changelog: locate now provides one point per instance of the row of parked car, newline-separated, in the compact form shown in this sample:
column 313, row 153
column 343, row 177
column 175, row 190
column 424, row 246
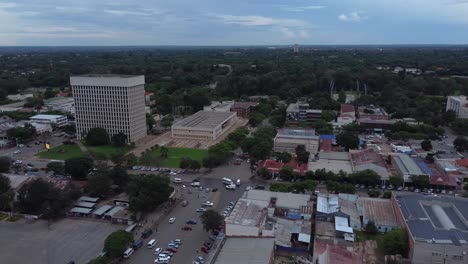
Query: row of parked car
column 171, row 171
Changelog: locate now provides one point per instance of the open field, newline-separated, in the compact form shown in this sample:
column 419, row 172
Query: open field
column 62, row 152
column 105, row 152
column 176, row 154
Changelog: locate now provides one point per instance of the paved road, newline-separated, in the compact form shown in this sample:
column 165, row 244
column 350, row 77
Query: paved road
column 193, row 240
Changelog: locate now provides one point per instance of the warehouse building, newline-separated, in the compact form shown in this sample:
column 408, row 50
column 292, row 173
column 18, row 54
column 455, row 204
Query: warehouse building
column 288, row 139
column 204, row 125
column 436, row 227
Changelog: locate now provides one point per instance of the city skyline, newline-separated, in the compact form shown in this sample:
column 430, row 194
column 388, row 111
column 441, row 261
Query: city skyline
column 180, row 22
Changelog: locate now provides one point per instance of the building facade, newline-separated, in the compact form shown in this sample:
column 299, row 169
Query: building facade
column 458, row 104
column 113, row 102
column 288, row 139
column 203, row 125
column 54, row 120
column 301, row 112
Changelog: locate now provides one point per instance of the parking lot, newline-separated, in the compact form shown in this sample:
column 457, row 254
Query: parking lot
column 64, row 241
column 194, row 239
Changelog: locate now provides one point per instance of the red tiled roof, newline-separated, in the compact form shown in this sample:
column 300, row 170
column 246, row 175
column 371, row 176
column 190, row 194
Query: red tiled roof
column 63, row 94
column 326, row 145
column 462, row 162
column 274, row 166
column 443, row 180
column 346, row 108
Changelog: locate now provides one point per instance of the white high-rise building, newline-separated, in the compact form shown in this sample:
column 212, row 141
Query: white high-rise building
column 459, row 104
column 113, row 102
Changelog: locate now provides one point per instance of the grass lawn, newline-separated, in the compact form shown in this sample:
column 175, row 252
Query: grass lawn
column 62, row 152
column 105, row 152
column 176, row 154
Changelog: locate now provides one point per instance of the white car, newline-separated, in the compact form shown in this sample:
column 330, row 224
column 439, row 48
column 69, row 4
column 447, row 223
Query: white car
column 184, row 187
column 172, row 173
column 18, row 162
column 248, row 188
column 157, row 251
column 177, row 180
column 231, row 187
column 208, row 203
column 195, row 184
column 172, row 220
column 17, row 152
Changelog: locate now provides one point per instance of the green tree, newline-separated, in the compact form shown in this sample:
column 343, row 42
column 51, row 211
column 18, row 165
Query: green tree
column 284, row 156
column 164, row 152
column 262, row 149
column 167, row 121
column 56, row 167
column 328, row 115
column 24, row 133
column 131, row 160
column 209, row 162
column 395, row 242
column 420, row 181
column 367, row 177
column 211, row 220
column 256, row 118
column 97, row 136
column 347, row 140
column 119, row 175
column 387, row 195
column 371, row 229
column 150, row 122
column 460, row 143
column 5, row 163
column 342, row 97
column 279, row 187
column 263, row 172
column 195, row 165
column 396, row 180
column 7, row 193
column 185, row 163
column 117, row 242
column 286, row 172
column 449, row 116
column 302, row 155
column 119, row 140
column 147, row 193
column 373, row 193
column 78, row 168
column 99, row 184
column 426, row 145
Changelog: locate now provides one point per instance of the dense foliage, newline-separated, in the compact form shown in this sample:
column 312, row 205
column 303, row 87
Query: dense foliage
column 97, row 136
column 147, row 193
column 117, row 242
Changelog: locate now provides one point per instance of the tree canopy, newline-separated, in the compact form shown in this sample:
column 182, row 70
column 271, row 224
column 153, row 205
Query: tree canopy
column 147, row 193
column 396, row 242
column 211, row 220
column 78, row 168
column 97, row 136
column 117, row 242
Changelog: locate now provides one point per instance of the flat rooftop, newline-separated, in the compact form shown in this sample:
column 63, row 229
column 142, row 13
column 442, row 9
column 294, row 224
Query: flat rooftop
column 93, row 75
column 380, row 211
column 283, row 200
column 247, row 213
column 42, row 116
column 296, row 133
column 246, row 251
column 204, row 119
column 435, row 219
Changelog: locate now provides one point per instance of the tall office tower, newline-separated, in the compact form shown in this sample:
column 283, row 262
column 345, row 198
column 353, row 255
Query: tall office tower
column 113, row 102
column 296, row 48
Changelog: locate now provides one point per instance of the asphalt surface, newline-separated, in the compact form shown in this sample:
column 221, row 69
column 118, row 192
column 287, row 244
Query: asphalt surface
column 193, row 240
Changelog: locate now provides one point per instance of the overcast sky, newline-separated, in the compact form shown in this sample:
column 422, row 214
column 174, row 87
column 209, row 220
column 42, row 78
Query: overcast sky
column 232, row 22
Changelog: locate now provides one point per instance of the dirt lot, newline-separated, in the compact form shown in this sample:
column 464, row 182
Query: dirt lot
column 65, row 240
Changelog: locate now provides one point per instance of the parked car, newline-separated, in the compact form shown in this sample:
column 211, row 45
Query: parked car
column 231, row 187
column 208, row 203
column 172, row 220
column 146, row 233
column 171, row 249
column 187, row 228
column 201, row 210
column 178, row 241
column 260, row 187
column 137, row 244
column 214, row 189
column 157, row 251
column 191, row 222
column 195, row 184
column 152, row 243
column 204, row 250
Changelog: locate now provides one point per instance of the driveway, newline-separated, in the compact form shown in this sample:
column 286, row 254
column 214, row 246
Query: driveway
column 66, row 240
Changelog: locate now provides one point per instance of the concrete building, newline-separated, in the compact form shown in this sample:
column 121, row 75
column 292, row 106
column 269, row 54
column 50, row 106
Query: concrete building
column 372, row 112
column 113, row 102
column 406, row 166
column 285, row 217
column 243, row 109
column 219, row 106
column 288, row 139
column 301, row 112
column 11, row 107
column 239, row 250
column 42, row 128
column 458, row 104
column 368, row 159
column 64, row 104
column 19, row 97
column 347, row 116
column 204, row 125
column 331, row 161
column 53, row 120
column 378, row 211
column 436, row 227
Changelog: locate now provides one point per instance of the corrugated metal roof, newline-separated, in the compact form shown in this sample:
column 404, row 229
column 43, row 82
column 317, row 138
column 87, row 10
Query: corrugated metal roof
column 114, row 211
column 102, row 210
column 81, row 210
column 246, row 251
column 85, row 204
